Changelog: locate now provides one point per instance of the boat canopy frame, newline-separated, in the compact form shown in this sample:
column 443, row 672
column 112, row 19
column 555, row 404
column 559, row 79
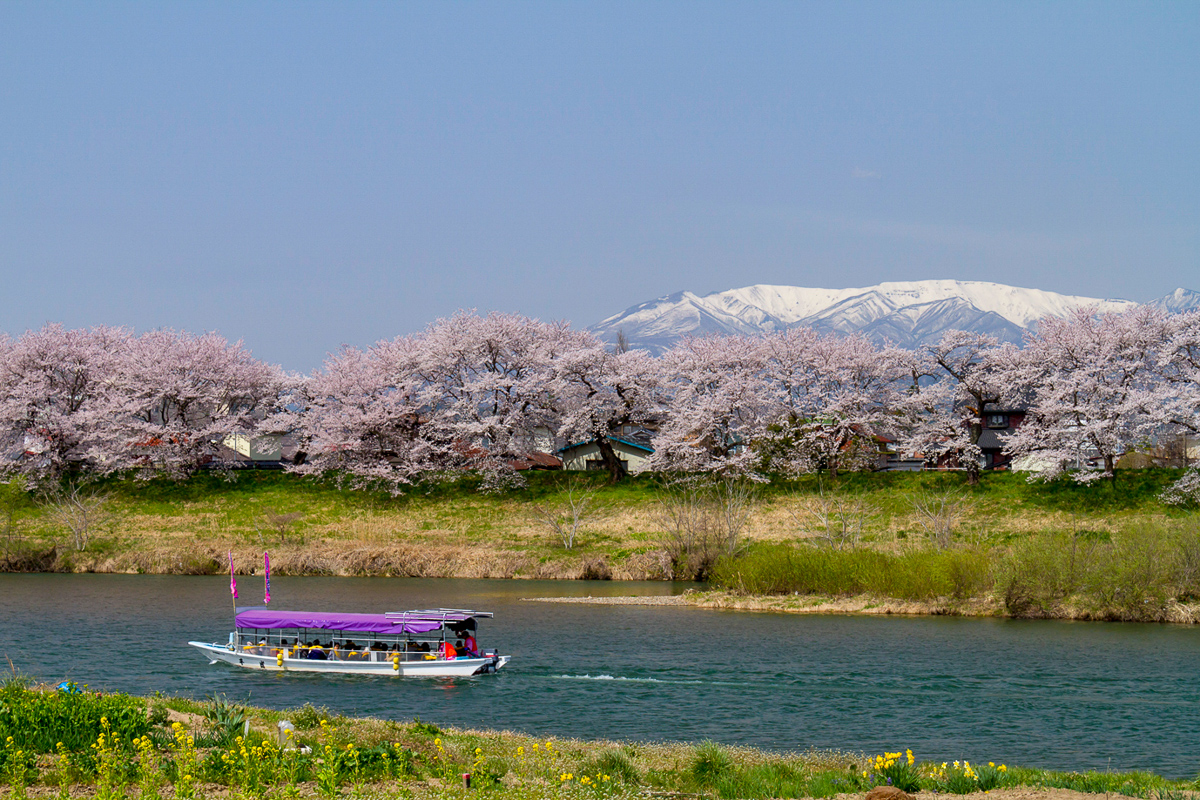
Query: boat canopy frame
column 393, row 623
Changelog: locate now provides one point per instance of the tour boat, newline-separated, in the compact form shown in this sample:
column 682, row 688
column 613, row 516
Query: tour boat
column 400, row 644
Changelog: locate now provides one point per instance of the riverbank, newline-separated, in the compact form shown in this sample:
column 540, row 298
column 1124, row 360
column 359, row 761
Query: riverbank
column 87, row 744
column 1177, row 613
column 314, row 527
column 863, row 543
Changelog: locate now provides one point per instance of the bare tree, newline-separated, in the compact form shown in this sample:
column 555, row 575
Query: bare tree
column 939, row 513
column 282, row 524
column 702, row 519
column 79, row 511
column 841, row 519
column 735, row 502
column 576, row 507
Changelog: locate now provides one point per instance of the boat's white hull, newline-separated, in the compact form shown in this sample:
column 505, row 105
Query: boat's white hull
column 459, row 667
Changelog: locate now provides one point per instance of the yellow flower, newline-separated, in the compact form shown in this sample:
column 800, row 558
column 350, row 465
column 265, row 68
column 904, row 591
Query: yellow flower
column 478, row 750
column 1003, row 768
column 520, row 751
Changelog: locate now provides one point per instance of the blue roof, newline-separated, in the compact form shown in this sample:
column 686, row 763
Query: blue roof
column 611, row 439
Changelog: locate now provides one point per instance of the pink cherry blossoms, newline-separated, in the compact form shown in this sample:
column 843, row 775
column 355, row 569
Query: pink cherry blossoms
column 477, row 394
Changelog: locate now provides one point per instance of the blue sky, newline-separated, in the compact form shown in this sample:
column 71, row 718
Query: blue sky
column 303, row 175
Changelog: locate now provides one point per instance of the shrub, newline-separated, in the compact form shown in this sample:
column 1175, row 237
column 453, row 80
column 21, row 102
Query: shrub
column 37, row 721
column 614, row 763
column 711, row 763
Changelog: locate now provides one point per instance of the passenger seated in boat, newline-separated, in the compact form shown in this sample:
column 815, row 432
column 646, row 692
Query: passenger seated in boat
column 448, row 651
column 315, row 652
column 471, row 646
column 379, row 647
column 459, row 650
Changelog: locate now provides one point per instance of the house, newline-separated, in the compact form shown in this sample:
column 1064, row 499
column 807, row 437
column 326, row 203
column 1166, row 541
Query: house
column 632, row 453
column 997, row 424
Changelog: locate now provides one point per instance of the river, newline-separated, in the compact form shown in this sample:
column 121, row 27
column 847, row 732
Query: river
column 1055, row 694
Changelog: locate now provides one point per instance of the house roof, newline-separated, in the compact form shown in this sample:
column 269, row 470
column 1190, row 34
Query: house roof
column 625, row 442
column 536, row 460
column 991, row 439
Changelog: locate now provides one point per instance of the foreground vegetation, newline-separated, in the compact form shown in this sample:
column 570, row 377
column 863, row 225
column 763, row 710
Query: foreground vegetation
column 113, row 746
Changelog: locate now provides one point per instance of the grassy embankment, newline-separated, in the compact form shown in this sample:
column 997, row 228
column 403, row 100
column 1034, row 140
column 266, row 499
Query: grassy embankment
column 116, row 746
column 1102, row 551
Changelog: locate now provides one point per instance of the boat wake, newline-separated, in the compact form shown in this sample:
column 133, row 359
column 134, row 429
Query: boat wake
column 603, row 677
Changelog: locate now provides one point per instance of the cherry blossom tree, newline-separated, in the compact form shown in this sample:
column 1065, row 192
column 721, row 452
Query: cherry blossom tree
column 58, row 392
column 467, row 393
column 716, row 408
column 181, row 395
column 954, row 383
column 1092, row 380
column 1178, row 364
column 830, row 397
column 360, row 418
column 1178, row 404
column 487, row 385
column 598, row 390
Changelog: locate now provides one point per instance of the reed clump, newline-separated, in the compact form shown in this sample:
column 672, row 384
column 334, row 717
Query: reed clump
column 1146, row 571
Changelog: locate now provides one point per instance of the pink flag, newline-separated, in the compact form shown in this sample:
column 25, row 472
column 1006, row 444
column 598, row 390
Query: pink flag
column 267, row 561
column 232, row 580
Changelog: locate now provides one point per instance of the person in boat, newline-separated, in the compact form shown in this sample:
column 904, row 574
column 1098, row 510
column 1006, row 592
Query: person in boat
column 471, row 646
column 315, row 651
column 459, row 650
column 448, row 651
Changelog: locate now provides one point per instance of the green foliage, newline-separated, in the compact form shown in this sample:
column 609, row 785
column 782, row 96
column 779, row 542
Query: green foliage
column 710, row 763
column 425, row 728
column 225, row 719
column 38, row 721
column 1131, row 784
column 803, row 569
column 895, row 769
column 612, row 762
column 308, row 717
column 357, row 753
column 829, row 784
column 1132, row 574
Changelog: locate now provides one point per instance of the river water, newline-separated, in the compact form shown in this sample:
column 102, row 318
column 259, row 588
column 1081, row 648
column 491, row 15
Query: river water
column 1054, row 694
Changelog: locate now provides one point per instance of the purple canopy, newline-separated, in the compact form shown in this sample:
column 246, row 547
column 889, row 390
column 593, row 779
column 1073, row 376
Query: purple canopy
column 330, row 620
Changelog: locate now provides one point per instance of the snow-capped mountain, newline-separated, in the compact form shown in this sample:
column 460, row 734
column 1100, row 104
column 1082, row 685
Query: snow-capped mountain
column 908, row 313
column 1178, row 301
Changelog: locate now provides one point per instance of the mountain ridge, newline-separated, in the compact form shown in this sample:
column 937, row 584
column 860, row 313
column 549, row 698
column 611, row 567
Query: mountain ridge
column 905, row 313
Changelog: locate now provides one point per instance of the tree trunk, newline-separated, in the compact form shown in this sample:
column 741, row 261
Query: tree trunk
column 612, row 464
column 972, row 473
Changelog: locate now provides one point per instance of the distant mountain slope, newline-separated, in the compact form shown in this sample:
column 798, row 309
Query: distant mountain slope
column 909, row 313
